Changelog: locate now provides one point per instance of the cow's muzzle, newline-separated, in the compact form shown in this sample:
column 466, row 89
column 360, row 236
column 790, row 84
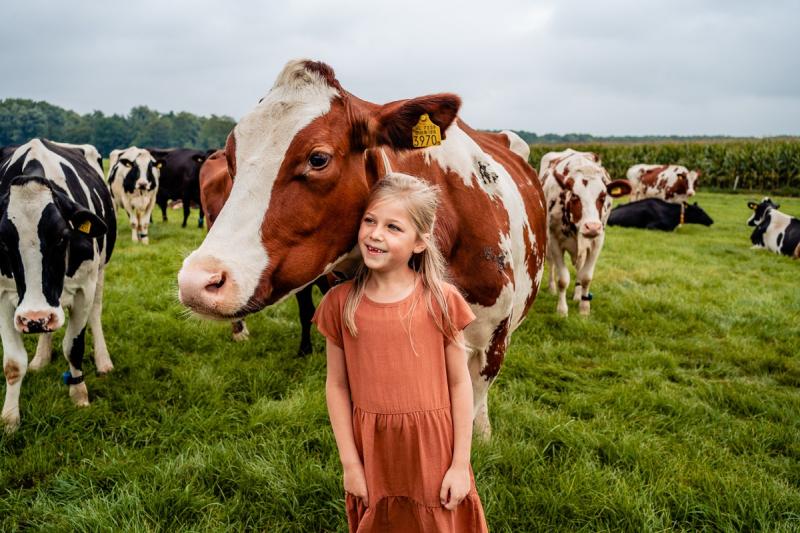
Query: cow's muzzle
column 207, row 287
column 591, row 229
column 37, row 322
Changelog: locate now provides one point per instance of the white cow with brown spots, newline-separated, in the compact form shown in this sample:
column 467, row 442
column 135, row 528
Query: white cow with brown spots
column 671, row 183
column 578, row 191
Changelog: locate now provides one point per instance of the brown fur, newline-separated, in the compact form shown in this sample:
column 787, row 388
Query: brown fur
column 12, row 372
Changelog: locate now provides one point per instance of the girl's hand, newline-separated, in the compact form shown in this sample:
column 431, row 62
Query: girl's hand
column 455, row 487
column 355, row 482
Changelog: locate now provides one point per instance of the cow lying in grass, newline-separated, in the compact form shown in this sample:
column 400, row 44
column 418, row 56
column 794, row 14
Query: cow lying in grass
column 774, row 231
column 654, row 213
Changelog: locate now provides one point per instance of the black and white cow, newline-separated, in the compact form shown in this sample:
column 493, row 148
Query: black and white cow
column 180, row 179
column 774, row 231
column 133, row 180
column 57, row 232
column 655, row 213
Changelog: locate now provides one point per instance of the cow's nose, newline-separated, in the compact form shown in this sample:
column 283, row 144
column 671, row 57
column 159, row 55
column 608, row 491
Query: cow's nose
column 37, row 322
column 691, row 192
column 208, row 288
column 591, row 229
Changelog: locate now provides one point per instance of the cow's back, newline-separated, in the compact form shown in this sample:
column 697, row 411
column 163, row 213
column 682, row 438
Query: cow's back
column 69, row 168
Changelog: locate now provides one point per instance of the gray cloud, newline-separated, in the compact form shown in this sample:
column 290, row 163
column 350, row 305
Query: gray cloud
column 612, row 67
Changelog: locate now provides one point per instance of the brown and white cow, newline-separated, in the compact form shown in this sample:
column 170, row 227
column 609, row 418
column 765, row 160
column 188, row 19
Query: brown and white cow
column 304, row 161
column 672, row 183
column 578, row 191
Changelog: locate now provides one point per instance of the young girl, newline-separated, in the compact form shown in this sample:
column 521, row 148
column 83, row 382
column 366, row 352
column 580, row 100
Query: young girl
column 398, row 388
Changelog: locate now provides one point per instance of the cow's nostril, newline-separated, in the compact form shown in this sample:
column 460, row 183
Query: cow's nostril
column 216, row 282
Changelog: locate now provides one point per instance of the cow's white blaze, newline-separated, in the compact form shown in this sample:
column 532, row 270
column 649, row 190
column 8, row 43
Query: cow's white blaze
column 262, row 138
column 25, row 207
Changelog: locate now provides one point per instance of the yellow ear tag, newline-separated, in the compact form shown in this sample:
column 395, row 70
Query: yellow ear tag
column 425, row 133
column 86, row 227
column 615, row 191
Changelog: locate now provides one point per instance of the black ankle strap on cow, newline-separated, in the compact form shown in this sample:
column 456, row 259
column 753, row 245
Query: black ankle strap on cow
column 69, row 380
column 587, row 297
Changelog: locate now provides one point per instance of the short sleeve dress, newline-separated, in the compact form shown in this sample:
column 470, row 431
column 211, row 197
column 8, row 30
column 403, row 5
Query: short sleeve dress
column 402, row 420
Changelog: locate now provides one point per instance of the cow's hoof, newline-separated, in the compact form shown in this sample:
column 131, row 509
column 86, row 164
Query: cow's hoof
column 241, row 335
column 552, row 288
column 10, row 422
column 583, row 310
column 79, row 395
column 38, row 363
column 104, row 370
column 304, row 350
column 562, row 311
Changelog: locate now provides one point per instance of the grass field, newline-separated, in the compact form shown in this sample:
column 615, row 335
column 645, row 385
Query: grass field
column 675, row 406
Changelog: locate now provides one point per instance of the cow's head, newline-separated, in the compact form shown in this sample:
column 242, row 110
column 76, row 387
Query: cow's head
column 760, row 210
column 587, row 192
column 691, row 182
column 302, row 164
column 40, row 227
column 138, row 170
column 694, row 214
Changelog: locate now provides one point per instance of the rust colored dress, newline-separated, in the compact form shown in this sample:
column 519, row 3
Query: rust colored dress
column 402, row 420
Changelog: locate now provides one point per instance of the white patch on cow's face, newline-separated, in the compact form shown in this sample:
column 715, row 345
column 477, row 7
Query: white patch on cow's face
column 26, row 205
column 262, row 138
column 461, row 154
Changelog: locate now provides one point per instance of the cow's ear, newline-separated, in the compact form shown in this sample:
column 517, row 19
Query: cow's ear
column 376, row 165
column 619, row 188
column 752, row 205
column 87, row 223
column 82, row 220
column 393, row 123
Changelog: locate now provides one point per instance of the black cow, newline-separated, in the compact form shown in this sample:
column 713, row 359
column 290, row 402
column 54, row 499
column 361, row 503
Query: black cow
column 654, row 213
column 180, row 179
column 774, row 230
column 57, row 232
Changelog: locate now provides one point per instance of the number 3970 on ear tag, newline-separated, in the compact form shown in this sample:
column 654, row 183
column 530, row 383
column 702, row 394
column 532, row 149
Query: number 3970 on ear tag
column 425, row 133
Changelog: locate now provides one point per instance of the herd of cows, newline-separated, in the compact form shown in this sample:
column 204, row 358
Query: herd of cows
column 283, row 202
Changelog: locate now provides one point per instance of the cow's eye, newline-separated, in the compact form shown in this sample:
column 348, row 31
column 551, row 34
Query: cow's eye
column 319, row 160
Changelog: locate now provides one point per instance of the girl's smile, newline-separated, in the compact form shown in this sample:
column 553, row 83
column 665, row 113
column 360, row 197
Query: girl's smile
column 387, row 237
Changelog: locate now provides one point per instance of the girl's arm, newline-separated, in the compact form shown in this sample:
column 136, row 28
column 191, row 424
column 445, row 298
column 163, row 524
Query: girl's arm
column 340, row 411
column 457, row 483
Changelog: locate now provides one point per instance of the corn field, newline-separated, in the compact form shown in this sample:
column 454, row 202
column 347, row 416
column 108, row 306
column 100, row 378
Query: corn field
column 770, row 165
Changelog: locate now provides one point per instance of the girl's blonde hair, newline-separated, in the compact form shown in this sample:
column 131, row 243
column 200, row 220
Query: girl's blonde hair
column 420, row 200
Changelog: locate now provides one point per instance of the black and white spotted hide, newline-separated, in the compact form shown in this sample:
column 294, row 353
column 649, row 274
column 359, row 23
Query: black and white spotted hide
column 134, row 179
column 774, row 230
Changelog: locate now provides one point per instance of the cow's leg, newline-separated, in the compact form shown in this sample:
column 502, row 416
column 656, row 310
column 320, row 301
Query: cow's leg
column 562, row 275
column 74, row 346
column 187, row 209
column 15, row 364
column 201, row 218
column 102, row 360
column 551, row 284
column 483, row 369
column 239, row 331
column 306, row 305
column 144, row 225
column 134, row 228
column 44, row 352
column 163, row 206
column 585, row 275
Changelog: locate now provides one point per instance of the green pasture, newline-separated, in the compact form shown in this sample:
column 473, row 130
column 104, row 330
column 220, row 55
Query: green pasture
column 675, row 406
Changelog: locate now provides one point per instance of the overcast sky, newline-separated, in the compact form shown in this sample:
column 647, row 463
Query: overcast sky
column 602, row 67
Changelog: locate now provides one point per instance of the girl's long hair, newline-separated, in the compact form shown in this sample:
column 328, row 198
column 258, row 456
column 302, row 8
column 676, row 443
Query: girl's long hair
column 420, row 200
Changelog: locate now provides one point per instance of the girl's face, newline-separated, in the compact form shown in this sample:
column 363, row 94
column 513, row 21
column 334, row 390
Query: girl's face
column 387, row 238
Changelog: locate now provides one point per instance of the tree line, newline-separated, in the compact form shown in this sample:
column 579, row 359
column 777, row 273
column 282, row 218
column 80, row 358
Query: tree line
column 22, row 120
